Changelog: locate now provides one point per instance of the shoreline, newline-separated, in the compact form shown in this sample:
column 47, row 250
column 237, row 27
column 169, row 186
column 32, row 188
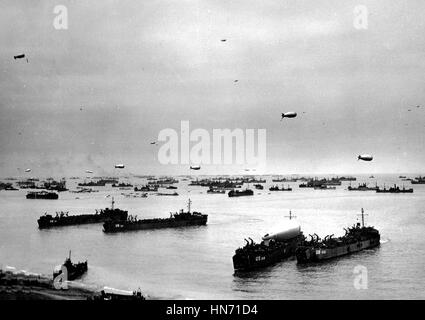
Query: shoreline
column 24, row 286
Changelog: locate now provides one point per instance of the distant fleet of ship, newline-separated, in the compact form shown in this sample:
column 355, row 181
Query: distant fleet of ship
column 272, row 248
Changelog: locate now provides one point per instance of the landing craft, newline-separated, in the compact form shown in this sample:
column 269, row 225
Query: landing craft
column 290, row 114
column 195, row 167
column 119, row 166
column 20, row 56
column 365, row 157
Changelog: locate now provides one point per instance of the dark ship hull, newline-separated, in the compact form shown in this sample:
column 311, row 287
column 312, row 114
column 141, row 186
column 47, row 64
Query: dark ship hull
column 42, row 195
column 135, row 296
column 181, row 219
column 422, row 181
column 121, row 226
column 392, row 190
column 313, row 254
column 236, row 193
column 48, row 221
column 260, row 257
column 356, row 238
column 361, row 189
column 74, row 270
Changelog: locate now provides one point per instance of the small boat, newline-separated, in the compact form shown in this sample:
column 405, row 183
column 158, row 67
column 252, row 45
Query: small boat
column 167, row 194
column 324, row 187
column 212, row 190
column 237, row 193
column 42, row 195
column 276, row 188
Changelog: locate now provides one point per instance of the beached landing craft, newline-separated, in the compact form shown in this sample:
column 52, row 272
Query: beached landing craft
column 180, row 219
column 356, row 238
column 115, row 294
column 74, row 270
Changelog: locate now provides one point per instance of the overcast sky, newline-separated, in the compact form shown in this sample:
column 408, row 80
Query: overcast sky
column 137, row 67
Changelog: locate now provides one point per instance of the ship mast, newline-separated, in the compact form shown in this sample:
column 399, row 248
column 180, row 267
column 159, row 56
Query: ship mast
column 290, row 215
column 188, row 205
column 362, row 214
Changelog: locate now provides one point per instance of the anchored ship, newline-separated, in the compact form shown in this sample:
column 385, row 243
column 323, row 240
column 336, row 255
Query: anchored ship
column 418, row 180
column 122, row 185
column 276, row 188
column 92, row 184
column 356, row 238
column 74, row 270
column 362, row 187
column 180, row 219
column 273, row 248
column 216, row 190
column 394, row 189
column 237, row 193
column 146, row 188
column 63, row 219
column 42, row 195
column 324, row 187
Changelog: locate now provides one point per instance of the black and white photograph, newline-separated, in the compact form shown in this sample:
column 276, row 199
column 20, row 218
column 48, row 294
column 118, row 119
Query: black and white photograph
column 201, row 150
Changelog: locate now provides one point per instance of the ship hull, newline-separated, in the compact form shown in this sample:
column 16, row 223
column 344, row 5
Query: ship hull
column 257, row 260
column 312, row 254
column 400, row 191
column 71, row 222
column 240, row 193
column 123, row 227
column 46, row 222
column 74, row 271
column 44, row 197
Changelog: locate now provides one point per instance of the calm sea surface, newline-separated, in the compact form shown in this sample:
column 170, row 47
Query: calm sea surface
column 196, row 262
